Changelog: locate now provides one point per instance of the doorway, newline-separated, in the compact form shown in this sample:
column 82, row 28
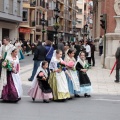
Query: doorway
column 5, row 32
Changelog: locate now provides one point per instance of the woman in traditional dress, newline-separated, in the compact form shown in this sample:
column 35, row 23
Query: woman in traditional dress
column 40, row 88
column 57, row 80
column 18, row 46
column 82, row 68
column 12, row 88
column 73, row 81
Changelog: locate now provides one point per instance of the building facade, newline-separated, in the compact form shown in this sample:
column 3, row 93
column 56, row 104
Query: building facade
column 31, row 26
column 112, row 9
column 67, row 18
column 84, row 18
column 10, row 17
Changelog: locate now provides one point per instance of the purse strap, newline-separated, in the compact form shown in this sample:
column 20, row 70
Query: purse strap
column 49, row 51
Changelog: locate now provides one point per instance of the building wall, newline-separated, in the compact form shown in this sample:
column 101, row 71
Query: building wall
column 11, row 11
column 13, row 30
column 108, row 7
column 80, row 5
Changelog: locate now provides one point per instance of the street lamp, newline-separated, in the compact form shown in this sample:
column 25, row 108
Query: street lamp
column 43, row 22
column 56, row 25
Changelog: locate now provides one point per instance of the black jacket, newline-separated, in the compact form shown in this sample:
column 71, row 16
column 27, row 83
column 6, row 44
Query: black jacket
column 117, row 55
column 40, row 53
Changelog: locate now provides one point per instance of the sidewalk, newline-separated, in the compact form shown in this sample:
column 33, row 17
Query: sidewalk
column 102, row 83
column 101, row 80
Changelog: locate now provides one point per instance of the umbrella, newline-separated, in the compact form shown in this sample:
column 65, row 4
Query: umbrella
column 113, row 67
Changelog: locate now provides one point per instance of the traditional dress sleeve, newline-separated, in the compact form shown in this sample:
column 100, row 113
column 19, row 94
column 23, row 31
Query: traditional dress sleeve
column 53, row 65
column 78, row 66
column 39, row 77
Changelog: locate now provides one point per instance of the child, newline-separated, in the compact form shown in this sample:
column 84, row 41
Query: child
column 82, row 68
column 58, row 81
column 40, row 88
column 12, row 88
column 73, row 83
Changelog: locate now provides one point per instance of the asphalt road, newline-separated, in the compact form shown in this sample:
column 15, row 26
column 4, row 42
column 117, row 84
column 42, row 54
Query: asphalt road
column 94, row 108
column 98, row 107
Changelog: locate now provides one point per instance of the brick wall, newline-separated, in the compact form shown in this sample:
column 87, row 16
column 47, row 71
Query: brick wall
column 108, row 7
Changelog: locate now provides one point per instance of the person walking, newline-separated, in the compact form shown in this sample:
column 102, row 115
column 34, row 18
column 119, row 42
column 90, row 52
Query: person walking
column 117, row 55
column 39, row 55
column 92, row 53
column 88, row 51
column 100, row 46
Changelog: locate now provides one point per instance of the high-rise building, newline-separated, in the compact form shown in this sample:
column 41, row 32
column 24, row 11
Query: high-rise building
column 10, row 16
column 67, row 18
column 31, row 26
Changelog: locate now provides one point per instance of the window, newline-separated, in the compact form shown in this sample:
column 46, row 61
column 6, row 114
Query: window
column 79, row 11
column 10, row 6
column 80, row 1
column 25, row 14
column 18, row 7
column 79, row 21
column 2, row 5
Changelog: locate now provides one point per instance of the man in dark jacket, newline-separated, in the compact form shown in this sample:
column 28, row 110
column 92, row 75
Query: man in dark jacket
column 39, row 56
column 117, row 55
column 92, row 52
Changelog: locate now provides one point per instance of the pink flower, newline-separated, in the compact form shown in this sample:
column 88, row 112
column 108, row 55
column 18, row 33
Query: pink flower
column 70, row 64
column 41, row 74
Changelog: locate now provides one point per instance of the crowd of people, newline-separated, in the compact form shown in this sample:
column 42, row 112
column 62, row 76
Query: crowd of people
column 59, row 74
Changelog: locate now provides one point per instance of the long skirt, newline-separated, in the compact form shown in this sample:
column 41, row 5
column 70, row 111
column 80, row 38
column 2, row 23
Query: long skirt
column 9, row 92
column 75, row 81
column 58, row 83
column 85, row 84
column 37, row 93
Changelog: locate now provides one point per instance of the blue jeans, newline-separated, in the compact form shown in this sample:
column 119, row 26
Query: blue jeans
column 35, row 67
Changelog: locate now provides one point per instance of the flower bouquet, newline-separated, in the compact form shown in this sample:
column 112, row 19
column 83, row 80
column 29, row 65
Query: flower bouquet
column 62, row 65
column 87, row 66
column 71, row 65
column 41, row 74
column 7, row 64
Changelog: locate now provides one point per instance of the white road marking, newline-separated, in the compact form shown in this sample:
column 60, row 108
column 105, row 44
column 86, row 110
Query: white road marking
column 109, row 100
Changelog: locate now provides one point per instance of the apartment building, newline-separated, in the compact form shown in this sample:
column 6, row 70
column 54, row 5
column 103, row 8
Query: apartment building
column 80, row 18
column 67, row 18
column 10, row 17
column 31, row 26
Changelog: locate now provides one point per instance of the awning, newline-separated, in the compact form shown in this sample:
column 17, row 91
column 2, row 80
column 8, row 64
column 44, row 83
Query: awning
column 24, row 30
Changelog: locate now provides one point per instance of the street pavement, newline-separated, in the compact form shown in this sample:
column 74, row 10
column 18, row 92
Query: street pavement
column 103, row 105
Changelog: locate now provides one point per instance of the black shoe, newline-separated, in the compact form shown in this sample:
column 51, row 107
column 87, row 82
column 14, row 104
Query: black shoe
column 33, row 99
column 116, row 81
column 86, row 95
column 45, row 101
column 29, row 79
column 77, row 96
